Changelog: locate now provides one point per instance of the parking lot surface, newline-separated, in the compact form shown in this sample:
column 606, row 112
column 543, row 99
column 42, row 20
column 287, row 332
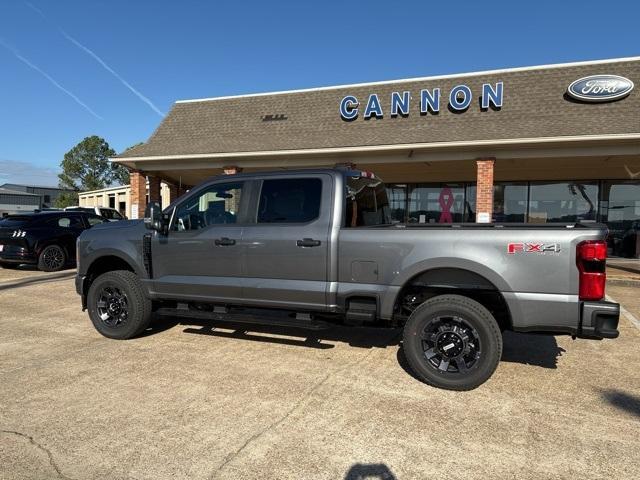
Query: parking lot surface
column 191, row 400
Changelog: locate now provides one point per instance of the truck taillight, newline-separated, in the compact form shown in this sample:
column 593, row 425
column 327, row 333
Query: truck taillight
column 591, row 259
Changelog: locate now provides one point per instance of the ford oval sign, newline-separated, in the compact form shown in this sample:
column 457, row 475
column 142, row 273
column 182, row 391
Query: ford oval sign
column 600, row 88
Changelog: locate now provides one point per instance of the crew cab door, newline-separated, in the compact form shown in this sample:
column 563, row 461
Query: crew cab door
column 201, row 257
column 286, row 246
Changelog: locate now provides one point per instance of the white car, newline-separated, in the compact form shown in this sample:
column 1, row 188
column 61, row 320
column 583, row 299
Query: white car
column 110, row 214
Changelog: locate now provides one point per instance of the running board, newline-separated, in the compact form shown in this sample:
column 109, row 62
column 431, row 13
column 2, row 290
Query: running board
column 263, row 319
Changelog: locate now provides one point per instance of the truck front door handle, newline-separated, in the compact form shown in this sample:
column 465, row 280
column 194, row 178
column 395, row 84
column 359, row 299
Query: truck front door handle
column 308, row 242
column 224, row 242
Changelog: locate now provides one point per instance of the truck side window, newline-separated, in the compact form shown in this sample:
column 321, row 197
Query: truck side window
column 366, row 203
column 215, row 205
column 290, row 200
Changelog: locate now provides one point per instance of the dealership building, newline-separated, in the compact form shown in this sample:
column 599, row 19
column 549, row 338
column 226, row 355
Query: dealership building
column 553, row 143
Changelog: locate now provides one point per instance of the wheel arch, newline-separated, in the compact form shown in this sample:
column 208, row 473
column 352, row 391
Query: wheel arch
column 455, row 280
column 102, row 264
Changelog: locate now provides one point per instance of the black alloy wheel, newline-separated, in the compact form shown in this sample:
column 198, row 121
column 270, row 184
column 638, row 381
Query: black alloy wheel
column 118, row 305
column 112, row 306
column 452, row 342
column 52, row 259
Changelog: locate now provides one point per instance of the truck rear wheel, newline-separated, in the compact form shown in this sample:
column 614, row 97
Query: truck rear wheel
column 452, row 342
column 118, row 306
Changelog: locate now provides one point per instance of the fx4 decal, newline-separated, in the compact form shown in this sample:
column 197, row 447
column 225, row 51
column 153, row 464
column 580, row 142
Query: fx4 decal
column 541, row 248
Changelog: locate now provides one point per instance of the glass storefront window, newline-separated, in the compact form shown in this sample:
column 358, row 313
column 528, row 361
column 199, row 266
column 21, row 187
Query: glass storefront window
column 436, row 203
column 563, row 202
column 620, row 210
column 397, row 202
column 509, row 202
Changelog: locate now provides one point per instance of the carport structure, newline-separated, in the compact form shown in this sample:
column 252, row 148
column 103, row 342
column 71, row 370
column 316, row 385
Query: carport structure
column 530, row 131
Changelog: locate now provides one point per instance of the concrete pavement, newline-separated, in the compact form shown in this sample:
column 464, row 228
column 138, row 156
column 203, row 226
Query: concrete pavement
column 190, row 400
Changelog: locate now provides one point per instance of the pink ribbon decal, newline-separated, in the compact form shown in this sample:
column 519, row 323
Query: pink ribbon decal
column 446, row 202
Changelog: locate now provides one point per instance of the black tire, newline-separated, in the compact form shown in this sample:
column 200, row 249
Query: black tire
column 52, row 258
column 113, row 293
column 9, row 266
column 452, row 342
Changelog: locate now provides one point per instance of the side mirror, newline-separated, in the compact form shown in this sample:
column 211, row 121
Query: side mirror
column 153, row 219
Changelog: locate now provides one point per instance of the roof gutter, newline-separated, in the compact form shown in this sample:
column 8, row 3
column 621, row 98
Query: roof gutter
column 500, row 143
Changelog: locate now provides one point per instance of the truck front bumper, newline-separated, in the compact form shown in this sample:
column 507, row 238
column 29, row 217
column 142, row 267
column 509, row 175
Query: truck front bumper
column 599, row 320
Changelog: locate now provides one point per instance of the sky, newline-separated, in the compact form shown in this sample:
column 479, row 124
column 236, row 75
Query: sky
column 113, row 68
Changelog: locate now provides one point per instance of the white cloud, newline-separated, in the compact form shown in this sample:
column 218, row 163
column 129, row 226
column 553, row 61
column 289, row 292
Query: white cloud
column 16, row 171
column 98, row 59
column 48, row 77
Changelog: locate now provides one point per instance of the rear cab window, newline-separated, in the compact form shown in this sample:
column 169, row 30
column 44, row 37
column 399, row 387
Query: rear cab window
column 366, row 204
column 110, row 214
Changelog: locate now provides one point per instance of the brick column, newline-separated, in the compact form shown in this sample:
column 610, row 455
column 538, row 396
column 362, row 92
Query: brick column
column 484, row 190
column 173, row 192
column 231, row 170
column 154, row 189
column 138, row 194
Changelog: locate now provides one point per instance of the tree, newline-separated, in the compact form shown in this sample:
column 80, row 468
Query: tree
column 87, row 167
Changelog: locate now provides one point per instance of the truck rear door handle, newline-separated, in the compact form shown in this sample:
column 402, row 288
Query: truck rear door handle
column 308, row 242
column 224, row 242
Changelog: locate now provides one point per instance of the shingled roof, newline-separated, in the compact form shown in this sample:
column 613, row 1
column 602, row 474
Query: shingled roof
column 535, row 105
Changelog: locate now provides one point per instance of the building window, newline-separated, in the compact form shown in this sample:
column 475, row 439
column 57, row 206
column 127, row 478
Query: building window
column 510, row 202
column 397, row 202
column 620, row 210
column 563, row 202
column 443, row 203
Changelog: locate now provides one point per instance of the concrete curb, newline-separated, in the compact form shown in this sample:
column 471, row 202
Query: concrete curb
column 623, row 282
column 50, row 277
column 634, row 321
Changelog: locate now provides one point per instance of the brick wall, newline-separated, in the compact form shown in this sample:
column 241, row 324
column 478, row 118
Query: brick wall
column 154, row 189
column 138, row 194
column 484, row 191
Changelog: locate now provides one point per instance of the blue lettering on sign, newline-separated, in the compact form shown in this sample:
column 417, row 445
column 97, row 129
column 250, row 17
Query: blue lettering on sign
column 491, row 95
column 400, row 104
column 349, row 107
column 430, row 101
column 373, row 107
column 460, row 97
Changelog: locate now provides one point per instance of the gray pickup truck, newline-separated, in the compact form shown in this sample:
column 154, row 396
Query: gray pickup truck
column 310, row 248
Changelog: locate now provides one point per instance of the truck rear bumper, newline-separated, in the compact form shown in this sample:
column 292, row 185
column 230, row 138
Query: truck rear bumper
column 599, row 320
column 562, row 314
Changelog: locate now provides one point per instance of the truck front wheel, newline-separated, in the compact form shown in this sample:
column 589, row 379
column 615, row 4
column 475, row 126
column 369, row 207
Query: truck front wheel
column 118, row 306
column 452, row 342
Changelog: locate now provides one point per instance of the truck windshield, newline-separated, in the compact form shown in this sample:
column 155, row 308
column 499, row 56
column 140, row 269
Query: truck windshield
column 366, row 203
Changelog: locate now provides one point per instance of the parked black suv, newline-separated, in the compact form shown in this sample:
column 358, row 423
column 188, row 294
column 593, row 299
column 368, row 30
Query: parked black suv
column 46, row 239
